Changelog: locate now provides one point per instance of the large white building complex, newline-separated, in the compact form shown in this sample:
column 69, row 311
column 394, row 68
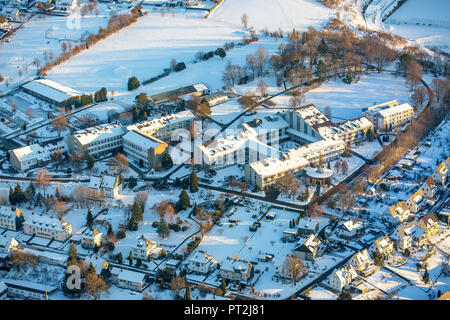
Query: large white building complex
column 389, row 115
column 97, row 141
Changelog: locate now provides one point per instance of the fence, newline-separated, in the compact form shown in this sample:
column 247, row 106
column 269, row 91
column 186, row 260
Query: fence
column 421, row 21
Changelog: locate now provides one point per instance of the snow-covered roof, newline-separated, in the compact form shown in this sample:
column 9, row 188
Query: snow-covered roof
column 99, row 132
column 271, row 166
column 7, row 212
column 201, row 257
column 36, row 151
column 95, row 182
column 51, row 89
column 43, row 221
column 351, row 225
column 417, row 196
column 312, row 243
column 29, row 286
column 143, row 140
column 395, row 110
column 235, row 265
column 398, row 209
column 149, row 126
column 417, row 231
column 131, row 276
column 108, row 182
column 362, row 257
column 312, row 115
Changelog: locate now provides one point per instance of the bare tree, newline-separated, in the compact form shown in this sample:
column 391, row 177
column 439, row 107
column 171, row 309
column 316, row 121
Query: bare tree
column 119, row 163
column 42, row 179
column 262, row 88
column 60, row 208
column 141, row 198
column 262, row 57
column 294, row 267
column 244, row 20
column 95, row 286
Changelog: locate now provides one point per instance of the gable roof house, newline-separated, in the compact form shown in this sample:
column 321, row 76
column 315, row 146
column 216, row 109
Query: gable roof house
column 363, row 263
column 202, row 263
column 110, row 186
column 416, row 201
column 310, row 249
column 143, row 249
column 397, row 213
column 350, row 229
column 236, row 270
column 429, row 188
column 342, row 277
column 440, row 174
column 132, row 280
column 384, row 246
column 35, row 155
column 430, row 224
column 90, row 238
column 306, row 227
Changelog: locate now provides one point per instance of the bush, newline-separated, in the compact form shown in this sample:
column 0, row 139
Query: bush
column 175, row 227
column 184, row 228
column 121, row 234
column 133, row 83
column 155, row 224
column 179, row 67
column 220, row 52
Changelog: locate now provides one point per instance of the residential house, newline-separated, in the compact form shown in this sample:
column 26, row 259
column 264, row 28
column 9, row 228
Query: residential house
column 307, row 227
column 350, row 229
column 202, row 263
column 11, row 218
column 143, row 249
column 47, row 227
column 416, row 201
column 383, row 246
column 110, row 186
column 94, row 186
column 342, row 277
column 429, row 188
column 397, row 213
column 310, row 249
column 430, row 224
column 132, row 280
column 290, row 234
column 410, row 235
column 236, row 270
column 363, row 263
column 440, row 174
column 91, row 238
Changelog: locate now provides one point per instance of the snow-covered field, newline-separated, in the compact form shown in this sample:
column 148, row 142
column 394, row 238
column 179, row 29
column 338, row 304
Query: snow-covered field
column 45, row 33
column 274, row 14
column 157, row 40
column 426, row 23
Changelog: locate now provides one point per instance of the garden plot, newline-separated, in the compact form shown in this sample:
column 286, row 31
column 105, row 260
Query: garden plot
column 274, row 14
column 45, row 32
column 320, row 293
column 386, row 281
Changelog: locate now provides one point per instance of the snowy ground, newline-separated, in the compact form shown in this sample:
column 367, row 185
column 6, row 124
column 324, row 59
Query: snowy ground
column 161, row 38
column 274, row 14
column 368, row 149
column 412, row 19
column 46, row 32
